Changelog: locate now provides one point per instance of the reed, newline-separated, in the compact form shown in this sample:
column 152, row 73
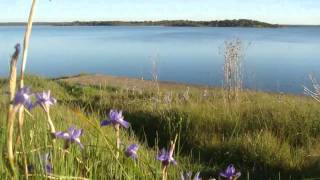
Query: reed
column 26, row 42
column 22, row 74
column 11, row 110
column 233, row 76
column 155, row 74
column 315, row 93
column 13, row 74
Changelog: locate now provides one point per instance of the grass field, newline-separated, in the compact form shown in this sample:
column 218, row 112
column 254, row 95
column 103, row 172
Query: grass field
column 266, row 136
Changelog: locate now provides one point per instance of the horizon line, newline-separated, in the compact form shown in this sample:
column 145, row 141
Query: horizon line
column 70, row 21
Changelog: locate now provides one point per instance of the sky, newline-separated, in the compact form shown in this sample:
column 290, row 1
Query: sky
column 305, row 12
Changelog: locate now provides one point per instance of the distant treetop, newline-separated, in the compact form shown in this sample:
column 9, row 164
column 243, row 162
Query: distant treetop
column 175, row 23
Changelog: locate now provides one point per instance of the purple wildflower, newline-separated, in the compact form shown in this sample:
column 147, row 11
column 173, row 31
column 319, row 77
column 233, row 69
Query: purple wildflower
column 188, row 176
column 17, row 47
column 30, row 168
column 45, row 160
column 44, row 99
column 23, row 97
column 166, row 158
column 131, row 151
column 72, row 135
column 230, row 173
column 115, row 117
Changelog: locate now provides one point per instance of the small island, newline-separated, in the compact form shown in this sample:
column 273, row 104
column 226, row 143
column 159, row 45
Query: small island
column 170, row 23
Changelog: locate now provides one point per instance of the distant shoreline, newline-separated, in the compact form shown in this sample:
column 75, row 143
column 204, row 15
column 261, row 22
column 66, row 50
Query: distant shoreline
column 168, row 23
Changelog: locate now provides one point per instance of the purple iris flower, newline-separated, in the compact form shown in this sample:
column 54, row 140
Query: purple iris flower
column 44, row 99
column 30, row 168
column 72, row 135
column 17, row 48
column 45, row 160
column 23, row 97
column 230, row 173
column 131, row 151
column 166, row 158
column 188, row 176
column 115, row 117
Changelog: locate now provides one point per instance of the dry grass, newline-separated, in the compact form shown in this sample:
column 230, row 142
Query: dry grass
column 233, row 75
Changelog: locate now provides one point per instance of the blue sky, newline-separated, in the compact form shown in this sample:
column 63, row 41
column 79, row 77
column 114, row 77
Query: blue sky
column 273, row 11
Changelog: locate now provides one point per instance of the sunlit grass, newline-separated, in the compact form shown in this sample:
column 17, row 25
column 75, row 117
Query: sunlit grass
column 264, row 135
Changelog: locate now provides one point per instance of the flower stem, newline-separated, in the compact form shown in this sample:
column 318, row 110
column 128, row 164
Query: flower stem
column 165, row 173
column 117, row 127
column 165, row 168
column 22, row 144
column 52, row 128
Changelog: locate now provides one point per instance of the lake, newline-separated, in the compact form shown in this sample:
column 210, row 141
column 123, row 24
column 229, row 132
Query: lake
column 276, row 59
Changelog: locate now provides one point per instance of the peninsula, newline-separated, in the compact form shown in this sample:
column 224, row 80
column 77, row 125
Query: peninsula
column 173, row 23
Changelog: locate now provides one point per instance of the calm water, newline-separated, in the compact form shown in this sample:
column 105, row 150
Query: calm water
column 275, row 60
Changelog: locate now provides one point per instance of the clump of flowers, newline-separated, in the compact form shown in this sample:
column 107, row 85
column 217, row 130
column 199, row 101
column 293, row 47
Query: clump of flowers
column 131, row 151
column 230, row 173
column 72, row 135
column 188, row 176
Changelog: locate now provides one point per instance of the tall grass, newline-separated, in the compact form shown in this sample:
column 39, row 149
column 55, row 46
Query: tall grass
column 315, row 93
column 265, row 136
column 233, row 75
column 24, row 62
column 11, row 110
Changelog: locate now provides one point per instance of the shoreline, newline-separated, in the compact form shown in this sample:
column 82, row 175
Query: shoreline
column 132, row 82
column 95, row 79
column 167, row 23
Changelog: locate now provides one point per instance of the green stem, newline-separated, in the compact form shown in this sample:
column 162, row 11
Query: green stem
column 22, row 145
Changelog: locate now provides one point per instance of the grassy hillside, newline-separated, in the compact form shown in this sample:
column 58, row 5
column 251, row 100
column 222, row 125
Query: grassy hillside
column 96, row 160
column 264, row 135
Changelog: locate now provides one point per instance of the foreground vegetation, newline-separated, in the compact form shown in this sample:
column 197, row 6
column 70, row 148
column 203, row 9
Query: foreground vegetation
column 264, row 135
column 95, row 161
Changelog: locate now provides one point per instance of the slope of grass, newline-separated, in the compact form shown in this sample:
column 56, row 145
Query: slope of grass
column 96, row 160
column 265, row 135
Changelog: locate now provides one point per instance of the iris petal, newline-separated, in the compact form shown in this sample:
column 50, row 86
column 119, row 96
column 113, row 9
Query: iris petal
column 79, row 143
column 105, row 123
column 63, row 135
column 124, row 123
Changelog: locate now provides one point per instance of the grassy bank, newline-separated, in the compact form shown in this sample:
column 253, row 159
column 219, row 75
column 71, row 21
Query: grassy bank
column 264, row 135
